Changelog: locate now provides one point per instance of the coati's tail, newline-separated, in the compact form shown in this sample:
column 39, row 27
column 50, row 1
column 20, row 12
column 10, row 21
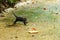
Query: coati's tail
column 14, row 14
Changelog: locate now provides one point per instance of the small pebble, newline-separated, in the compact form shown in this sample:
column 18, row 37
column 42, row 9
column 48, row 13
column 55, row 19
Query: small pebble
column 45, row 8
column 57, row 13
column 16, row 37
column 32, row 35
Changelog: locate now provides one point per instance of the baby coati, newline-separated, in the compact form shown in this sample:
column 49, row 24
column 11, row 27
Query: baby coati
column 21, row 19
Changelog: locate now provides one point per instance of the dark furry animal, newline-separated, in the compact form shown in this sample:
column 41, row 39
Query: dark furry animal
column 21, row 19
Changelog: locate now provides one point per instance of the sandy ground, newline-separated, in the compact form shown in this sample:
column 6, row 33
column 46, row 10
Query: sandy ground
column 48, row 27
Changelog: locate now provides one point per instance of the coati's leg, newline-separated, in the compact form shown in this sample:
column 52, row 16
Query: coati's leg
column 14, row 22
column 25, row 22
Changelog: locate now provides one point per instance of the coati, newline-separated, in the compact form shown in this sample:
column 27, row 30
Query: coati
column 21, row 19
